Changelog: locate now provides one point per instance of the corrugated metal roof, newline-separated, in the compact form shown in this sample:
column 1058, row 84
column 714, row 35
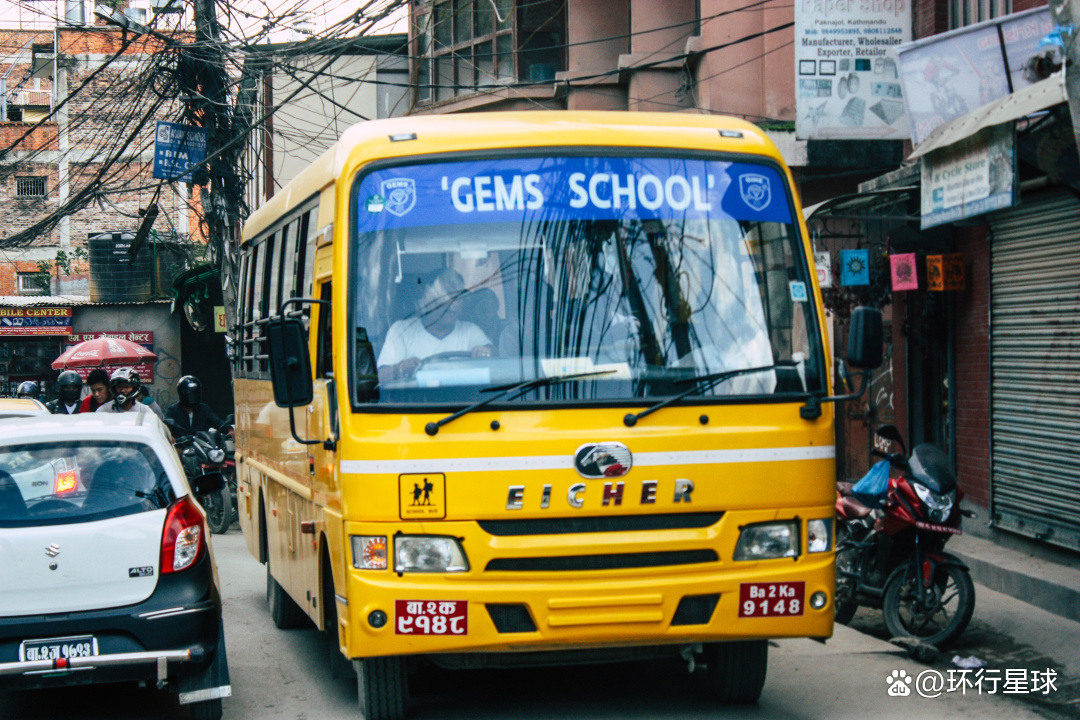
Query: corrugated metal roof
column 64, row 301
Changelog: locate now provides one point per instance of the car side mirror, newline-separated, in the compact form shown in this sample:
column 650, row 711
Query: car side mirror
column 865, row 339
column 208, row 484
column 290, row 366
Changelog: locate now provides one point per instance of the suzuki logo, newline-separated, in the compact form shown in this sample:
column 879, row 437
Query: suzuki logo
column 603, row 460
column 53, row 550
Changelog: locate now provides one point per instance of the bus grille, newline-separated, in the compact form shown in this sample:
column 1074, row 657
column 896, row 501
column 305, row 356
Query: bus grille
column 695, row 609
column 622, row 561
column 606, row 523
column 511, row 618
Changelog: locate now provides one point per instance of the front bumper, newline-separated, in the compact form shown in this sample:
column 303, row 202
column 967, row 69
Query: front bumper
column 174, row 633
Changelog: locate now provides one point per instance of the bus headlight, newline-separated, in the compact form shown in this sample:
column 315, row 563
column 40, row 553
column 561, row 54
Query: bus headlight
column 818, row 535
column 765, row 541
column 428, row 553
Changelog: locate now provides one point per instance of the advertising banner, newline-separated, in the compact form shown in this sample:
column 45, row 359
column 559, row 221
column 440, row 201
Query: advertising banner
column 847, row 86
column 35, row 321
column 972, row 177
column 951, row 74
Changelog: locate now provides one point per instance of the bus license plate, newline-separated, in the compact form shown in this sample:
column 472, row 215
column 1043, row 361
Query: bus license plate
column 772, row 599
column 58, row 648
column 431, row 617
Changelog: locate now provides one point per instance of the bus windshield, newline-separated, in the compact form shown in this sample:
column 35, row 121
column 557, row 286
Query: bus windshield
column 640, row 274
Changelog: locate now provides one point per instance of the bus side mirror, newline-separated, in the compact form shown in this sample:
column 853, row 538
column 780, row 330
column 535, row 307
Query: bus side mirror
column 290, row 366
column 864, row 339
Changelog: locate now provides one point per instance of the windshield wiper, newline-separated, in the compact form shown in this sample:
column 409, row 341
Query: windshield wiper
column 432, row 428
column 711, row 380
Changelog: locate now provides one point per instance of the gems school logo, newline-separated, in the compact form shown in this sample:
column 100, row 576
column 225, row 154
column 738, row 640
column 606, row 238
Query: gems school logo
column 400, row 194
column 755, row 190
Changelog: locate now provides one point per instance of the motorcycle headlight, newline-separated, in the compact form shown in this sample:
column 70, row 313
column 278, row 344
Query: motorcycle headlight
column 940, row 505
column 216, row 455
column 428, row 553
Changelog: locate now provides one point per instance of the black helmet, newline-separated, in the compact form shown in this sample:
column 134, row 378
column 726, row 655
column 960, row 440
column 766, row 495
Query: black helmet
column 189, row 390
column 28, row 389
column 69, row 386
column 124, row 375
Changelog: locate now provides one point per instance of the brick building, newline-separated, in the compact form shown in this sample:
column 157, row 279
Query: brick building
column 78, row 174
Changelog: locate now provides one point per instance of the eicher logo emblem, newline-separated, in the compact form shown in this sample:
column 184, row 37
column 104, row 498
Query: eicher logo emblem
column 755, row 190
column 603, row 460
column 400, row 194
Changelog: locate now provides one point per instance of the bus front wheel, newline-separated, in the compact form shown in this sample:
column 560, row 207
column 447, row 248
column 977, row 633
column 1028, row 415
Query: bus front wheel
column 382, row 685
column 736, row 670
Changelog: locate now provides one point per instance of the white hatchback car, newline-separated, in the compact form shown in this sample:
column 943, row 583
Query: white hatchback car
column 107, row 572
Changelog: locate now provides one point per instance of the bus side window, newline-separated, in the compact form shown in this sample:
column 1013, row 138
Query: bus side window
column 324, row 363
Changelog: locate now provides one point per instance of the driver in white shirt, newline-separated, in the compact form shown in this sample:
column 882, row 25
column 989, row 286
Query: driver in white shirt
column 436, row 329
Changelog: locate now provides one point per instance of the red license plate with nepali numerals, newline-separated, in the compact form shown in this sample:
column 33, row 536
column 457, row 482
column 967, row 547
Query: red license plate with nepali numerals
column 772, row 599
column 431, row 617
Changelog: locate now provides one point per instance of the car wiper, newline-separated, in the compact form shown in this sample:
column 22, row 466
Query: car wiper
column 710, row 381
column 432, row 428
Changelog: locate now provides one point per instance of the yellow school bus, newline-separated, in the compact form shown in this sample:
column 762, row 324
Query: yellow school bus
column 525, row 388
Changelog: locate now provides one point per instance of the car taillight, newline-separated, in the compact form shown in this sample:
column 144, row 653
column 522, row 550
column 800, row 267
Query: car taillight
column 183, row 540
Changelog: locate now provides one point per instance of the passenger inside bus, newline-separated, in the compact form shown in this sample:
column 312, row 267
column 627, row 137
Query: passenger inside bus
column 435, row 329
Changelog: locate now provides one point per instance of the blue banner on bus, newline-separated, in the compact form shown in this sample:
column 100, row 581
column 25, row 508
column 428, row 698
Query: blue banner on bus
column 570, row 188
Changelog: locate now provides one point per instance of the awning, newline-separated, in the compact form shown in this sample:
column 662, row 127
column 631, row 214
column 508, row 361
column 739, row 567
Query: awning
column 1040, row 96
column 863, row 204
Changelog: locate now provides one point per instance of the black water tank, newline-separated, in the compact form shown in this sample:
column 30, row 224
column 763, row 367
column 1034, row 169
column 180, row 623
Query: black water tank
column 115, row 276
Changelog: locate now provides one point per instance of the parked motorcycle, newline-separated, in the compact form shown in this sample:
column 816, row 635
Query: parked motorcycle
column 890, row 546
column 208, row 451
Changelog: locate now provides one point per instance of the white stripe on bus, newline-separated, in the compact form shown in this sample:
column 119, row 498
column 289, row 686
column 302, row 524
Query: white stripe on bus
column 566, row 462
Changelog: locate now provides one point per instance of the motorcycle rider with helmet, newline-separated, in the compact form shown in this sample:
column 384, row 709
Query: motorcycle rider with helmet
column 124, row 385
column 28, row 389
column 69, row 386
column 190, row 415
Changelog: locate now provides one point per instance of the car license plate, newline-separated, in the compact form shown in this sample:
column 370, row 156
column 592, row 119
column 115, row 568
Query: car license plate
column 58, row 648
column 772, row 599
column 431, row 617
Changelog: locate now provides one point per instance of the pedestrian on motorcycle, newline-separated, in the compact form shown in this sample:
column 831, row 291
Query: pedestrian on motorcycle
column 69, row 386
column 28, row 389
column 124, row 386
column 190, row 415
column 98, row 382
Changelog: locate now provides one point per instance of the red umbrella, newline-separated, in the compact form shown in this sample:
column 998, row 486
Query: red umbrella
column 103, row 351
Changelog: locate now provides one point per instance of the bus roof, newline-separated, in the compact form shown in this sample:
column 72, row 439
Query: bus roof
column 378, row 139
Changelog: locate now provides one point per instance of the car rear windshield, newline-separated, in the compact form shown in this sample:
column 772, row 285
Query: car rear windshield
column 82, row 481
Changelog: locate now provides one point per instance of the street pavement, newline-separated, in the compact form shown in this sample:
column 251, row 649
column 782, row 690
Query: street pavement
column 285, row 674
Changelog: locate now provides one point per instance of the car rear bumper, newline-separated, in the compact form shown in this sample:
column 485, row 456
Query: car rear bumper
column 174, row 633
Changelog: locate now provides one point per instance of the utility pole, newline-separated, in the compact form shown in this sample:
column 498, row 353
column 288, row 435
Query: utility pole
column 1066, row 15
column 209, row 104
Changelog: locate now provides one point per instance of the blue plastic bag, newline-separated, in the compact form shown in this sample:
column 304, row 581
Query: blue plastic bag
column 873, row 486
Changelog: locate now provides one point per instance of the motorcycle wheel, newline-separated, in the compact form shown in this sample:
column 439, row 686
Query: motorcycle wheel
column 847, row 559
column 218, row 506
column 938, row 619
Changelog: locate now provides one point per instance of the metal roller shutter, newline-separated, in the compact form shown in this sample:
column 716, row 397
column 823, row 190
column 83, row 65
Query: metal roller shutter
column 1035, row 368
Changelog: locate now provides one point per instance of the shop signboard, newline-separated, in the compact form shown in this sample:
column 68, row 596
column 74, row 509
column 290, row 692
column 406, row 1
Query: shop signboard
column 146, row 339
column 35, row 321
column 847, row 84
column 178, row 150
column 951, row 74
column 972, row 177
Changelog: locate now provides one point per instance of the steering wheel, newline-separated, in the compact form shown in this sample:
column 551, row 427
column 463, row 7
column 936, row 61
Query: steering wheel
column 52, row 505
column 446, row 357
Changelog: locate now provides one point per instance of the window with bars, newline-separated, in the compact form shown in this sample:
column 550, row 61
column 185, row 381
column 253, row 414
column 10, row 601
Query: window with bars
column 968, row 12
column 30, row 187
column 468, row 46
column 30, row 284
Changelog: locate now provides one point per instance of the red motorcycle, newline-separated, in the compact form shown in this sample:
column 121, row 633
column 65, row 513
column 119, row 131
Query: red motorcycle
column 890, row 546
